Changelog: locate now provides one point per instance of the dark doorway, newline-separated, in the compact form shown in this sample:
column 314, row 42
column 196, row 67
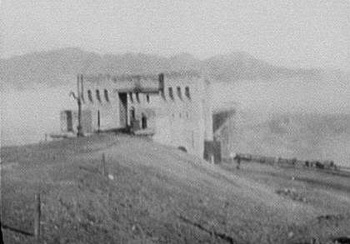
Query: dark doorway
column 132, row 114
column 123, row 109
column 144, row 121
column 98, row 120
column 212, row 151
column 69, row 121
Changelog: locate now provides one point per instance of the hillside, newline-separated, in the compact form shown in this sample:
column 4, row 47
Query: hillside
column 305, row 136
column 157, row 194
column 57, row 67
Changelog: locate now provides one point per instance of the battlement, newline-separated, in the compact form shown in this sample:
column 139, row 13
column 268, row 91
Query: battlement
column 97, row 78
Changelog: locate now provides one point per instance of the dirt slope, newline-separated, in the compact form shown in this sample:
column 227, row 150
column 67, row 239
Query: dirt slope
column 154, row 194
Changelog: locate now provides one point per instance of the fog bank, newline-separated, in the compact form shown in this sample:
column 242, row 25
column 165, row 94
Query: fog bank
column 287, row 96
column 27, row 115
column 307, row 120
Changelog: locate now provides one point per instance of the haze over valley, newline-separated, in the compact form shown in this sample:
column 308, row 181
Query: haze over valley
column 280, row 111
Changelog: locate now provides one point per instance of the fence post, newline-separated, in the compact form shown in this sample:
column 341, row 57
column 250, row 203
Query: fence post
column 37, row 215
column 103, row 165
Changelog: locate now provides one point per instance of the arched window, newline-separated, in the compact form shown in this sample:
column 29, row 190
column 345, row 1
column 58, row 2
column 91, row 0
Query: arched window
column 90, row 95
column 161, row 85
column 132, row 114
column 179, row 92
column 171, row 95
column 187, row 92
column 98, row 95
column 106, row 95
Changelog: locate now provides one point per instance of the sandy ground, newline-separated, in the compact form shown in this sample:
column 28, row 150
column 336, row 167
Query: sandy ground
column 157, row 194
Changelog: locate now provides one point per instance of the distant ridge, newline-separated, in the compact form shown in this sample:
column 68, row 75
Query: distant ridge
column 52, row 67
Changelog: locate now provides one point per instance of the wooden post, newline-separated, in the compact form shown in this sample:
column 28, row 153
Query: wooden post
column 104, row 165
column 80, row 131
column 37, row 215
column 78, row 97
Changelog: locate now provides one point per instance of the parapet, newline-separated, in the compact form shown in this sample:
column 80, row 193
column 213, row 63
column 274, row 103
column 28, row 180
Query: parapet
column 144, row 76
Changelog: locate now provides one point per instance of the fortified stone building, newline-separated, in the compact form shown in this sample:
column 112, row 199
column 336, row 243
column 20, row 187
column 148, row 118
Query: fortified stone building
column 172, row 108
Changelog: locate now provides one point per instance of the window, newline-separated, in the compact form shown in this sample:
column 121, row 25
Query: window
column 179, row 92
column 137, row 97
column 132, row 114
column 98, row 120
column 106, row 95
column 90, row 96
column 161, row 84
column 98, row 95
column 171, row 95
column 143, row 121
column 131, row 97
column 147, row 98
column 187, row 92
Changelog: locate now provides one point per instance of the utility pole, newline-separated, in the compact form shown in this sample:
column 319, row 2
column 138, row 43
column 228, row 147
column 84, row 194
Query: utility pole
column 78, row 97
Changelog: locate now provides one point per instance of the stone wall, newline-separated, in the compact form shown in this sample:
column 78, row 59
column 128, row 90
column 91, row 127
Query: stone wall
column 100, row 98
column 69, row 121
column 183, row 114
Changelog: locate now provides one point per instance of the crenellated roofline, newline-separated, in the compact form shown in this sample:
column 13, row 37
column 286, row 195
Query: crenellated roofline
column 144, row 76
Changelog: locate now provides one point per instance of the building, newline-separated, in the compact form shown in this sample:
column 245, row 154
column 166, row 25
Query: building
column 224, row 125
column 69, row 121
column 173, row 108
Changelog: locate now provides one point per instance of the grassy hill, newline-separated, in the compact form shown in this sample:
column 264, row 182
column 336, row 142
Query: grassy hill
column 158, row 194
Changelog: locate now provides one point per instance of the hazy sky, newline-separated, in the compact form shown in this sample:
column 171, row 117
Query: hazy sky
column 301, row 33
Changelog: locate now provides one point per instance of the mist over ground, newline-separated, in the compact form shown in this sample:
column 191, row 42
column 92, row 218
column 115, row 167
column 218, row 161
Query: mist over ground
column 278, row 118
column 285, row 96
column 26, row 115
column 290, row 118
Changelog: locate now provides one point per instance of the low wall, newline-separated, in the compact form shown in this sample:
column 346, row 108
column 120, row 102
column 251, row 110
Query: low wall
column 293, row 162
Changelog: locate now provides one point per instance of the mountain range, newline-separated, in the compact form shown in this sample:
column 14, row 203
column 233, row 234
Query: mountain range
column 52, row 68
